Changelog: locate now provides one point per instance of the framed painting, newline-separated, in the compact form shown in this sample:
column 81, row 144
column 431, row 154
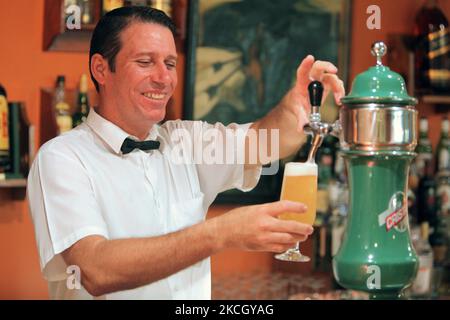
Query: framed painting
column 242, row 56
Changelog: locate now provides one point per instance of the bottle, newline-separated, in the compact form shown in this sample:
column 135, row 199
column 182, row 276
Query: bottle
column 108, row 5
column 62, row 108
column 424, row 150
column 439, row 237
column 5, row 160
column 421, row 287
column 325, row 161
column 82, row 111
column 443, row 148
column 163, row 5
column 86, row 17
column 412, row 207
column 426, row 196
column 439, row 242
column 432, row 58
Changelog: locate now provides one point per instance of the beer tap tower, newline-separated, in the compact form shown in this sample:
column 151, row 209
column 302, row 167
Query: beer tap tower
column 377, row 132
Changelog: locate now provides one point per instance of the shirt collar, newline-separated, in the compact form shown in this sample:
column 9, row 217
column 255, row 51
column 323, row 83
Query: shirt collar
column 110, row 133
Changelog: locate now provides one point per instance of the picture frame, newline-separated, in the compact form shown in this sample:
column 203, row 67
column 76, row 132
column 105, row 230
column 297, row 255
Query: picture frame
column 242, row 56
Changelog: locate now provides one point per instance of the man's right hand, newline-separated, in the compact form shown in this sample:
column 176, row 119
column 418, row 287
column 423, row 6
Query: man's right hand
column 258, row 228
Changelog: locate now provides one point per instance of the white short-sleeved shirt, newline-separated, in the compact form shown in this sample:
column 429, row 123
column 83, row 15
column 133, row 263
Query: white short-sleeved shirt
column 81, row 184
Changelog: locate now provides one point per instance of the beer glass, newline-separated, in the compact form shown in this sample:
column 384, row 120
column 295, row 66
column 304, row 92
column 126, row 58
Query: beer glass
column 300, row 185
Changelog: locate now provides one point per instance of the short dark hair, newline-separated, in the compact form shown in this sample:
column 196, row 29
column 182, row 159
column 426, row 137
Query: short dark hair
column 106, row 37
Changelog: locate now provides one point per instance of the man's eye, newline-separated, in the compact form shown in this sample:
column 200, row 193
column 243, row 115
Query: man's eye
column 171, row 65
column 143, row 62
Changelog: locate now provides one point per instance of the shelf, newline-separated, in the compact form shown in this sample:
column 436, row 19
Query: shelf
column 435, row 99
column 13, row 183
column 57, row 37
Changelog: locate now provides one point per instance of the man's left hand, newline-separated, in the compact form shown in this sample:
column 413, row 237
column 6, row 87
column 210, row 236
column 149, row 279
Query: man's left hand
column 297, row 99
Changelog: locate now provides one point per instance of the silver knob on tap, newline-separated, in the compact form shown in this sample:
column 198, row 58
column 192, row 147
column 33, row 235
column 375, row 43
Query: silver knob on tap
column 378, row 50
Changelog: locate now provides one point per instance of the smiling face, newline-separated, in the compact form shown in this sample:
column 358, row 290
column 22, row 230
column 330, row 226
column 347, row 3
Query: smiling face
column 135, row 95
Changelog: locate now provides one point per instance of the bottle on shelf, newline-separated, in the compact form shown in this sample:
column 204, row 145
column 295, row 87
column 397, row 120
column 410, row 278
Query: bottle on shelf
column 426, row 196
column 82, row 110
column 422, row 285
column 325, row 159
column 424, row 150
column 163, row 5
column 417, row 169
column 5, row 160
column 443, row 147
column 62, row 108
column 439, row 238
column 432, row 56
column 87, row 11
column 109, row 5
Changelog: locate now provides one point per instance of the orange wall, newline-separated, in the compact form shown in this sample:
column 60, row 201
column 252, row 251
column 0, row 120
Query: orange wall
column 25, row 68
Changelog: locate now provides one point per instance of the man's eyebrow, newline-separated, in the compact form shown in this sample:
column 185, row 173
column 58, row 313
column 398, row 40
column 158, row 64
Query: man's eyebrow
column 150, row 53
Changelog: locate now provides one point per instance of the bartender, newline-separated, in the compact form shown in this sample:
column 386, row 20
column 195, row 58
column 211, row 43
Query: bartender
column 108, row 198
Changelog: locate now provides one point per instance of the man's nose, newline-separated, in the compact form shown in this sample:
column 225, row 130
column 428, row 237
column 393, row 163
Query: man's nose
column 161, row 74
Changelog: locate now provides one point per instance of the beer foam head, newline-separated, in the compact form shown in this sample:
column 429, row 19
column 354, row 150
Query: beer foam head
column 300, row 169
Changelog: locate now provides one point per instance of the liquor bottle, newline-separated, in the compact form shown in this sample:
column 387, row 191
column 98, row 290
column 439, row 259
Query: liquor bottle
column 432, row 58
column 439, row 237
column 108, row 5
column 325, row 161
column 86, row 9
column 5, row 160
column 163, row 5
column 62, row 108
column 82, row 110
column 426, row 196
column 443, row 148
column 421, row 287
column 424, row 150
column 412, row 207
column 439, row 242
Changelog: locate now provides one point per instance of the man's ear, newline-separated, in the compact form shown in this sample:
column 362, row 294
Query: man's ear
column 99, row 68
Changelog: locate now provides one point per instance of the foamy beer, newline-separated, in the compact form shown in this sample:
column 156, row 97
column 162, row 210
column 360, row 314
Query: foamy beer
column 300, row 185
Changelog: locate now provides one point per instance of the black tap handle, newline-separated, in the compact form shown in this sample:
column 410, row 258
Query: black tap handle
column 315, row 90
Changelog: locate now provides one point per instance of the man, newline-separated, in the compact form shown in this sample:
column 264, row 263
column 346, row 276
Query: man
column 125, row 214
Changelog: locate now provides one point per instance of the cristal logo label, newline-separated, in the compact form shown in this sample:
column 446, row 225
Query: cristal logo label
column 395, row 215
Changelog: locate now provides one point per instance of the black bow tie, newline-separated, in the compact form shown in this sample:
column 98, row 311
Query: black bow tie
column 129, row 145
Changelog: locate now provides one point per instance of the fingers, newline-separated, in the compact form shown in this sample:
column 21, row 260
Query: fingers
column 323, row 71
column 276, row 208
column 293, row 227
column 302, row 118
column 304, row 70
column 280, row 248
column 286, row 238
column 332, row 81
column 320, row 68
